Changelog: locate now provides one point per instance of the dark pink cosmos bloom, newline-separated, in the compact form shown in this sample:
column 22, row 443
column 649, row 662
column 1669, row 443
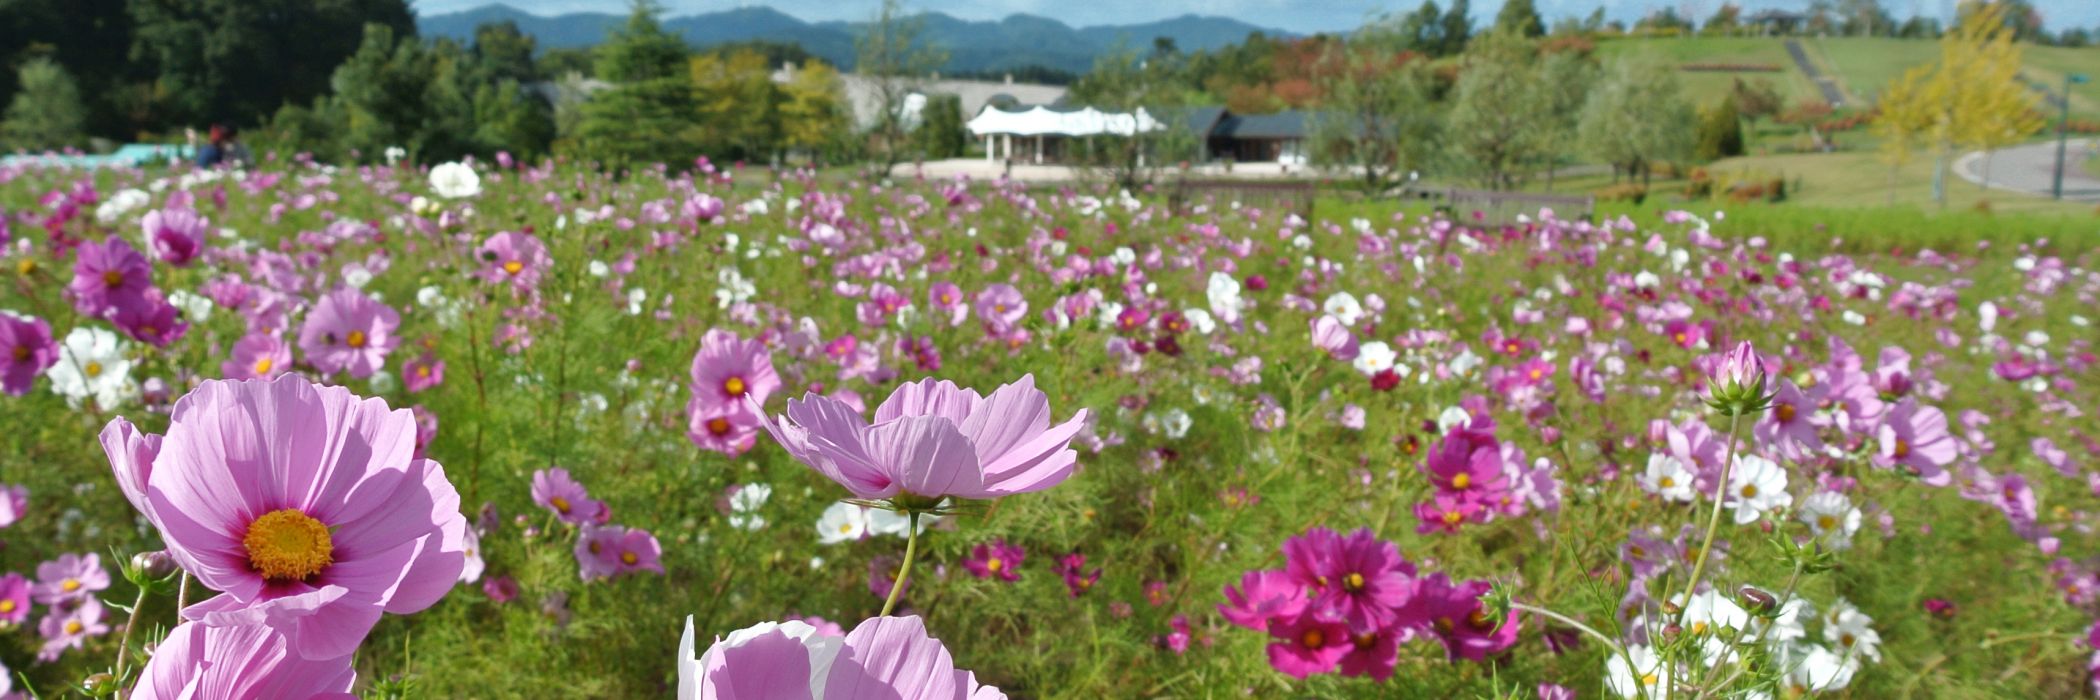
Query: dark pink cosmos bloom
column 348, row 331
column 932, row 438
column 500, row 589
column 555, row 491
column 1454, row 613
column 69, row 628
column 883, row 657
column 2058, row 459
column 175, row 235
column 1375, row 652
column 730, row 429
column 517, row 260
column 729, row 369
column 1307, row 645
column 1358, row 578
column 1792, row 427
column 612, row 551
column 243, row 662
column 108, row 276
column 1330, row 335
column 423, row 373
column 1262, row 598
column 69, row 578
column 1001, row 306
column 996, row 559
column 302, row 503
column 1467, row 462
column 1916, row 438
column 1072, row 567
column 1446, row 513
column 26, row 350
column 152, row 321
column 257, row 356
column 14, row 598
column 1684, row 334
column 426, row 428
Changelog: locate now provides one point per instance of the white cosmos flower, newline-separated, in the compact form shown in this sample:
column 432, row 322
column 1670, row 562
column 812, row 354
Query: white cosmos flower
column 454, row 181
column 636, row 296
column 1850, row 632
column 472, row 572
column 195, row 307
column 1223, row 292
column 598, row 268
column 120, row 204
column 1344, row 307
column 1790, row 625
column 1668, row 478
column 1755, row 486
column 1832, row 517
column 744, row 505
column 93, row 362
column 1200, row 321
column 1714, row 616
column 842, row 522
column 1812, row 668
column 1639, row 673
column 1374, row 357
column 890, row 522
column 734, row 289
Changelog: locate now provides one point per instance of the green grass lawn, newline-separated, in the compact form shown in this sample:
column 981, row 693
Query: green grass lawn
column 1707, row 88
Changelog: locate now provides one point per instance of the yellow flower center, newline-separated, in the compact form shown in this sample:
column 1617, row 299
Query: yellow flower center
column 1353, row 582
column 356, row 339
column 1785, row 412
column 69, row 585
column 288, row 545
column 113, row 278
column 994, row 565
column 423, row 371
column 947, row 298
column 1537, row 373
column 1826, row 522
column 1847, row 639
column 845, row 528
column 734, row 386
column 1648, row 678
column 21, row 353
column 561, row 505
column 1313, row 638
column 513, row 267
column 263, row 366
column 1452, row 517
column 1666, row 482
column 1699, row 628
column 25, row 267
column 629, row 558
column 1461, row 481
column 1679, row 337
column 92, row 370
column 1749, row 490
column 1902, row 448
column 7, row 605
column 73, row 627
column 718, row 426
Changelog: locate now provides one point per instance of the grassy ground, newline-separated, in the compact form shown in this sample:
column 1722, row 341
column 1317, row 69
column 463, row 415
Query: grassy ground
column 1704, row 87
column 1866, row 66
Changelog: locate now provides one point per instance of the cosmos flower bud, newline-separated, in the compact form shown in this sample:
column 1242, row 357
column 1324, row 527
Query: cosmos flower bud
column 1737, row 384
column 155, row 564
column 1757, row 602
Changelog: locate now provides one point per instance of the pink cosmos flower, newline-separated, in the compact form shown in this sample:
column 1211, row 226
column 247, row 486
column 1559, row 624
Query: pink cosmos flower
column 1358, row 579
column 932, row 439
column 996, row 559
column 349, row 331
column 14, row 501
column 1330, row 335
column 108, row 276
column 1262, row 597
column 1001, row 306
column 514, row 259
column 555, row 491
column 302, row 503
column 500, row 589
column 14, row 598
column 1915, row 437
column 175, row 235
column 69, row 578
column 731, row 429
column 1072, row 567
column 946, row 300
column 26, row 350
column 883, row 657
column 238, row 662
column 1792, row 426
column 1308, row 644
column 152, row 321
column 69, row 628
column 422, row 374
column 612, row 551
column 257, row 356
column 1445, row 513
column 1467, row 463
column 1456, row 616
column 729, row 369
column 1374, row 652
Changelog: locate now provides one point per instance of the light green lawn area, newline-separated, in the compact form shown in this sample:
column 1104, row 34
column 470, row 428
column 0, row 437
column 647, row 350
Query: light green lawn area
column 1865, row 67
column 1862, row 179
column 1708, row 88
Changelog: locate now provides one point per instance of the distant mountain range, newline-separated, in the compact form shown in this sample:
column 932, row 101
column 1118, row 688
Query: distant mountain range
column 1017, row 41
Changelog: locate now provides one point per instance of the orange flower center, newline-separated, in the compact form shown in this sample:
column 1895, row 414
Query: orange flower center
column 1313, row 639
column 1785, row 412
column 1461, row 481
column 734, row 386
column 1353, row 582
column 263, row 366
column 288, row 545
column 356, row 339
column 1452, row 517
column 21, row 353
column 561, row 505
column 513, row 267
column 1902, row 448
column 718, row 426
column 628, row 558
column 994, row 565
column 113, row 279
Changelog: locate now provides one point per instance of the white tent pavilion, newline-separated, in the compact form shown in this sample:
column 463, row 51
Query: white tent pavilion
column 1039, row 121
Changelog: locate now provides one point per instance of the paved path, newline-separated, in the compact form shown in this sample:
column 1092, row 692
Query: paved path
column 1823, row 82
column 2030, row 169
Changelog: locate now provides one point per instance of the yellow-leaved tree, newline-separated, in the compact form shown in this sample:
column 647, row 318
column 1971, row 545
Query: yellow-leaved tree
column 1970, row 98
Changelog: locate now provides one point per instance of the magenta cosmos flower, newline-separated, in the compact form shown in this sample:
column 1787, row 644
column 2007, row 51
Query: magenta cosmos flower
column 729, row 369
column 1358, row 579
column 14, row 598
column 240, row 662
column 302, row 503
column 108, row 276
column 996, row 559
column 26, row 350
column 555, row 491
column 1001, row 306
column 348, row 331
column 1916, row 438
column 932, row 439
column 514, row 259
column 257, row 356
column 883, row 657
column 175, row 235
column 423, row 373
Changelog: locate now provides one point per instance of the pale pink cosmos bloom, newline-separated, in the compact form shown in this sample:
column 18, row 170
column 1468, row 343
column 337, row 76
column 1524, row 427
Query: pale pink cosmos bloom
column 348, row 331
column 69, row 628
column 555, row 491
column 729, row 369
column 175, row 235
column 303, row 504
column 240, row 662
column 883, row 657
column 70, row 577
column 932, row 439
column 257, row 356
column 517, row 260
column 1916, row 438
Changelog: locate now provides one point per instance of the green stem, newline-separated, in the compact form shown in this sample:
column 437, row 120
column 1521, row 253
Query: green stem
column 911, row 550
column 1713, row 522
column 182, row 593
column 124, row 644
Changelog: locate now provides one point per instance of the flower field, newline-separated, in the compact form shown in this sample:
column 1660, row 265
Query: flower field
column 503, row 430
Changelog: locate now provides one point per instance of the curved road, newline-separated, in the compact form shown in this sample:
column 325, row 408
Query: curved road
column 2030, row 169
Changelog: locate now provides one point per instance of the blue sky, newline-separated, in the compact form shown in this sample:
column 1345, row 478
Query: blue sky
column 1294, row 15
